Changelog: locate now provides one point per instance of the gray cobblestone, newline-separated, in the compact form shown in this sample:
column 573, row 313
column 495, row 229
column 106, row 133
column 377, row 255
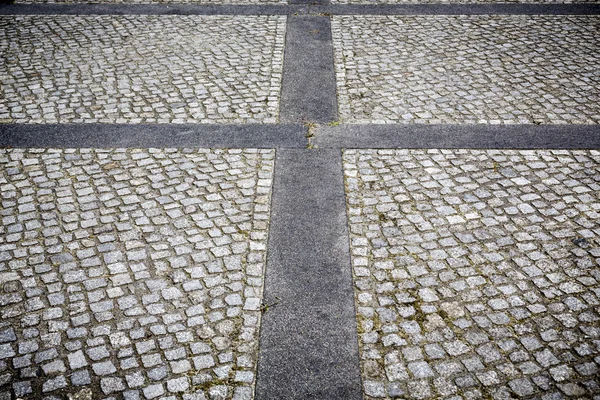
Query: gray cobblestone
column 493, row 316
column 80, row 378
column 142, row 68
column 6, row 351
column 135, row 336
column 476, row 69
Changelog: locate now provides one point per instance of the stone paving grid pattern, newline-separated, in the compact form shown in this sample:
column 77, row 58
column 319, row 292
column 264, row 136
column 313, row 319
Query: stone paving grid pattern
column 476, row 272
column 133, row 272
column 143, row 68
column 479, row 69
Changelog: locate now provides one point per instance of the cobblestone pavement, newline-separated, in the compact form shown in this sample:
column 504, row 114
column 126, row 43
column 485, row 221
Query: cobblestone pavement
column 133, row 273
column 487, row 69
column 142, row 68
column 476, row 272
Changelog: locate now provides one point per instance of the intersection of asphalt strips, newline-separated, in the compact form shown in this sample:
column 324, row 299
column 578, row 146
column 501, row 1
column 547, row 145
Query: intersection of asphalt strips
column 138, row 264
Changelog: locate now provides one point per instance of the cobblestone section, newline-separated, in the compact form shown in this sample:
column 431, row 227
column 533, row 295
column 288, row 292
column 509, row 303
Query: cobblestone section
column 142, row 68
column 476, row 272
column 480, row 69
column 133, row 274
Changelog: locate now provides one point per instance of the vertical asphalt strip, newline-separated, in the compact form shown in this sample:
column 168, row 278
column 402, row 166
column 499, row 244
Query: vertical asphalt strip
column 309, row 91
column 308, row 344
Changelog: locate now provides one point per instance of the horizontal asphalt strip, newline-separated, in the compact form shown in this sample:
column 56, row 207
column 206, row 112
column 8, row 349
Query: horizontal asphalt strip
column 308, row 344
column 318, row 8
column 294, row 136
column 457, row 9
column 152, row 135
column 312, row 2
column 308, row 90
column 458, row 136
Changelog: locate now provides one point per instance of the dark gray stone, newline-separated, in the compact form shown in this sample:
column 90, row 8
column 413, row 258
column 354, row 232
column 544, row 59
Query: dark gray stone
column 458, row 136
column 152, row 135
column 302, row 7
column 309, row 90
column 308, row 344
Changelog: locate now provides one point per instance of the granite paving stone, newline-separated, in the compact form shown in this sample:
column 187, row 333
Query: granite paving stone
column 476, row 272
column 119, row 241
column 140, row 68
column 467, row 69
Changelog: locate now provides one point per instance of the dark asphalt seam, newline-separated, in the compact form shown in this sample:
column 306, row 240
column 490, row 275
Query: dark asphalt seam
column 315, row 8
column 458, row 9
column 308, row 93
column 458, row 136
column 278, row 136
column 152, row 135
column 308, row 342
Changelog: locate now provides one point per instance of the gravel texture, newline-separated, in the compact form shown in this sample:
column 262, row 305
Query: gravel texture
column 478, row 69
column 133, row 273
column 476, row 272
column 140, row 68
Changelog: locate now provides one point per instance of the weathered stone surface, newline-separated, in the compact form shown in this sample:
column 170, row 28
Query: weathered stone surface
column 141, row 68
column 467, row 69
column 476, row 271
column 100, row 237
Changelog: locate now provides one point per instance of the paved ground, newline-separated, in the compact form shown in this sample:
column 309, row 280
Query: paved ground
column 460, row 69
column 476, row 271
column 128, row 269
column 140, row 69
column 345, row 255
